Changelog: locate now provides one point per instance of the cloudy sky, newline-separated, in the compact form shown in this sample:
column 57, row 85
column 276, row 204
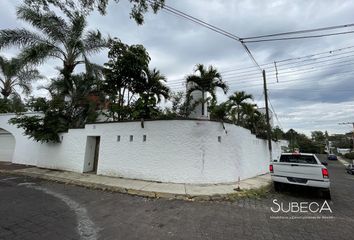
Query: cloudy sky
column 312, row 94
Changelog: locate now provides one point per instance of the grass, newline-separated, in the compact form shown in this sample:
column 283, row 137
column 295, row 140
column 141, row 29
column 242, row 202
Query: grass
column 258, row 193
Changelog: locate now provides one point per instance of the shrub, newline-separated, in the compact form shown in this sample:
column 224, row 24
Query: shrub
column 349, row 155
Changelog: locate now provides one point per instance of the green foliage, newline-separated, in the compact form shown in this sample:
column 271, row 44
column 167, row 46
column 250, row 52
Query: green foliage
column 60, row 37
column 319, row 139
column 12, row 105
column 238, row 101
column 60, row 114
column 349, row 155
column 219, row 111
column 42, row 129
column 277, row 134
column 182, row 106
column 301, row 141
column 341, row 140
column 128, row 76
column 15, row 72
column 239, row 110
column 139, row 7
column 207, row 80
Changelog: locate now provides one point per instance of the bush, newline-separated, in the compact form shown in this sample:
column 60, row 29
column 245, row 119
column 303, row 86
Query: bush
column 349, row 155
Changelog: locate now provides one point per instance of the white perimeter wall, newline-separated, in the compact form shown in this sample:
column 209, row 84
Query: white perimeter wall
column 181, row 151
column 67, row 155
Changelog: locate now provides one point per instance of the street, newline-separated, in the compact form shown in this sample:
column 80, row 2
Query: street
column 38, row 209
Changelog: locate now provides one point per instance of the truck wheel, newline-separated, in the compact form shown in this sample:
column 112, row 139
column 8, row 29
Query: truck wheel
column 277, row 186
column 326, row 194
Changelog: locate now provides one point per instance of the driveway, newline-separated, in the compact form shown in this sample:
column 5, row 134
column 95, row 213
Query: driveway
column 37, row 209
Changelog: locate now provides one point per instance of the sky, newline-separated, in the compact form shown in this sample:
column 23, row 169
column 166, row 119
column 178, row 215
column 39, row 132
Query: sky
column 305, row 98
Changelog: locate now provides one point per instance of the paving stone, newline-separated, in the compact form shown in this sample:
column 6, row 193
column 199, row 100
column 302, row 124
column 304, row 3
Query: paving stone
column 32, row 214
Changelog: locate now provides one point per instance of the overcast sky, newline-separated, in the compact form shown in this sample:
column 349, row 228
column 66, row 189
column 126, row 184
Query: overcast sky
column 314, row 97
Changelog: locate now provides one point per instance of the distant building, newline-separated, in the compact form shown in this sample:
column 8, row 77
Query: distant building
column 343, row 150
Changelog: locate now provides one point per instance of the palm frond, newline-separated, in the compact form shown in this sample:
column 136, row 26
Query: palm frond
column 76, row 31
column 94, row 42
column 48, row 22
column 38, row 53
column 19, row 37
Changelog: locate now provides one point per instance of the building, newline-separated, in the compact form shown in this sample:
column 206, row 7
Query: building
column 177, row 151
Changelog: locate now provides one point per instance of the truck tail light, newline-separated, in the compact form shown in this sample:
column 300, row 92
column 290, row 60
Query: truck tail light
column 325, row 172
column 271, row 168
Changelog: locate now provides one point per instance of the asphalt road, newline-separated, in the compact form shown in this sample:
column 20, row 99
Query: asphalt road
column 36, row 209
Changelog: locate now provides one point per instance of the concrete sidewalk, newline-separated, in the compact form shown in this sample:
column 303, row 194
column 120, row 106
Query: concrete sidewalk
column 147, row 188
column 344, row 161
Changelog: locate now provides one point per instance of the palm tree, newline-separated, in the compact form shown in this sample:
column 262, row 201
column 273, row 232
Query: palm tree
column 152, row 91
column 15, row 73
column 207, row 81
column 155, row 87
column 57, row 37
column 237, row 100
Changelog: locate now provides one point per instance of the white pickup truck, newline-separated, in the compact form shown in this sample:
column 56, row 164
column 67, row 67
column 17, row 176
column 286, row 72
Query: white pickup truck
column 300, row 169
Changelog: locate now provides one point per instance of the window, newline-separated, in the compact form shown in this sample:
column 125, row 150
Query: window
column 118, row 138
column 131, row 138
column 298, row 158
column 219, row 138
column 144, row 138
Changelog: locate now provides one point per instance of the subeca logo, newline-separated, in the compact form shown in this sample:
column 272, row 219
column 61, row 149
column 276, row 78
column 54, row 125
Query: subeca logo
column 300, row 207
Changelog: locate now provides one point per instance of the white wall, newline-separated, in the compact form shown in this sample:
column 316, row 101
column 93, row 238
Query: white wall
column 67, row 155
column 7, row 146
column 181, row 151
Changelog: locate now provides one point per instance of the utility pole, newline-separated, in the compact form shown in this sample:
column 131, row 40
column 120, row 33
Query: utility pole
column 269, row 130
column 351, row 123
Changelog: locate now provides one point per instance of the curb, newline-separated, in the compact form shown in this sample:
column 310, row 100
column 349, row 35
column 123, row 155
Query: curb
column 255, row 192
column 345, row 163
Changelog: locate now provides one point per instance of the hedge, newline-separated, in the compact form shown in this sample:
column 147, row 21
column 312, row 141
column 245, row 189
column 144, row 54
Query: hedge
column 349, row 155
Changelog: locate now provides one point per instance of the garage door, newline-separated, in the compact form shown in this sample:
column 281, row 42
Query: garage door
column 7, row 146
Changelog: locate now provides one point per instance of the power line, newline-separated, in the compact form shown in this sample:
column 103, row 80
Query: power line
column 198, row 21
column 301, row 31
column 316, row 54
column 291, row 73
column 289, row 64
column 296, row 38
column 292, row 80
column 298, row 70
column 251, row 56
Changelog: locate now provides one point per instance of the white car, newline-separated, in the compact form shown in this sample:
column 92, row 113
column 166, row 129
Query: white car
column 300, row 169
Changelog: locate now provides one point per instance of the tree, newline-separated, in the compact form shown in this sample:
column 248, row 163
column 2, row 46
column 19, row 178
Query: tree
column 83, row 98
column 319, row 138
column 139, row 7
column 14, row 73
column 237, row 101
column 181, row 105
column 301, row 141
column 249, row 116
column 277, row 133
column 13, row 104
column 125, row 73
column 207, row 81
column 220, row 111
column 151, row 91
column 57, row 37
column 341, row 140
